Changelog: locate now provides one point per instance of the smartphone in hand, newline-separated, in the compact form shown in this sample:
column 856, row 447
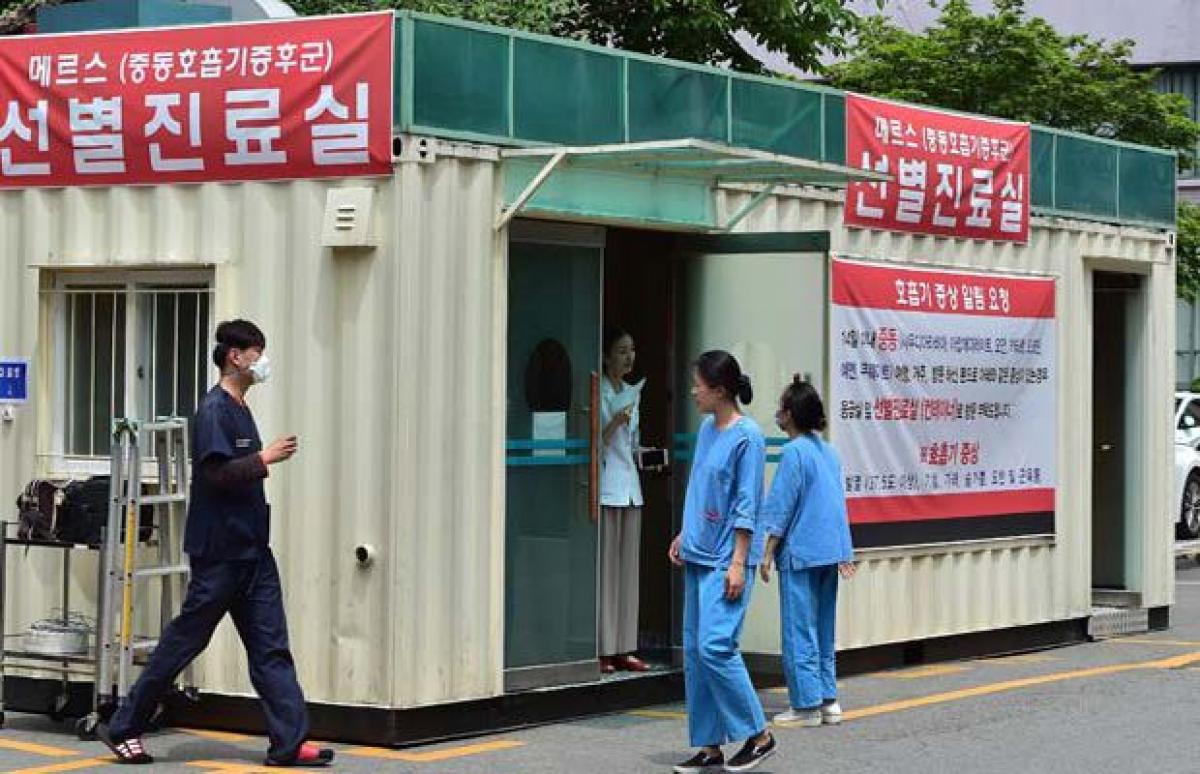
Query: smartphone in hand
column 652, row 459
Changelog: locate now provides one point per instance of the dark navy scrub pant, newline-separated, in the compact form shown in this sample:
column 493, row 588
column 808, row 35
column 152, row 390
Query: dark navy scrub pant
column 251, row 593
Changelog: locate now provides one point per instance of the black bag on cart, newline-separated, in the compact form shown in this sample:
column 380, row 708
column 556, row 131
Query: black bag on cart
column 84, row 513
column 37, row 510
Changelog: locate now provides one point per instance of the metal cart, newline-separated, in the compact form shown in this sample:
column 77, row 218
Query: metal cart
column 15, row 655
column 120, row 580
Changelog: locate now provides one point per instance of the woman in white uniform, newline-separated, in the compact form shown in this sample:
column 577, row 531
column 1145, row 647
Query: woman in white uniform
column 621, row 508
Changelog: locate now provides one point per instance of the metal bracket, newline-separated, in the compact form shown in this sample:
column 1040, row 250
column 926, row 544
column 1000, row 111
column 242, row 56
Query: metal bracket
column 749, row 207
column 508, row 213
column 412, row 148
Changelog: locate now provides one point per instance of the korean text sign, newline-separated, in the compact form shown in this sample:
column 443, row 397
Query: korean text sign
column 943, row 402
column 953, row 175
column 257, row 101
column 14, row 381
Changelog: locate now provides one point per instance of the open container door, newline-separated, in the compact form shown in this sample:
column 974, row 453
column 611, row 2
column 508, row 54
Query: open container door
column 764, row 298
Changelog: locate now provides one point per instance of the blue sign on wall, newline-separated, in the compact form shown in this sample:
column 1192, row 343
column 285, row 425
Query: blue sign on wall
column 14, row 381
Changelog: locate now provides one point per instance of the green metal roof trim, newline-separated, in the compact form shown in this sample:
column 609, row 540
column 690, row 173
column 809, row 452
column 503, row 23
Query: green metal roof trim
column 468, row 81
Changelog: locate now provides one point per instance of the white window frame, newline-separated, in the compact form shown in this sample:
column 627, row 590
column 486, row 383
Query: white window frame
column 137, row 285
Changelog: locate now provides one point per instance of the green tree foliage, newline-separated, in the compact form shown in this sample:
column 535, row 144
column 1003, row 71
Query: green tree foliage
column 545, row 16
column 694, row 30
column 1008, row 64
column 704, row 30
column 15, row 14
column 1187, row 252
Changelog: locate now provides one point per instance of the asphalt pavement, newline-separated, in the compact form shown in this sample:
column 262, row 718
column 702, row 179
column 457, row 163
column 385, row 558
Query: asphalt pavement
column 1122, row 705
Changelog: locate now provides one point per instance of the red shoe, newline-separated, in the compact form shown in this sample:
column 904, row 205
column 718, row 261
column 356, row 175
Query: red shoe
column 632, row 663
column 309, row 755
column 606, row 666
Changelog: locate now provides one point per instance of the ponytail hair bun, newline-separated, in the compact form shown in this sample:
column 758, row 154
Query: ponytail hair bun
column 803, row 404
column 719, row 369
column 745, row 390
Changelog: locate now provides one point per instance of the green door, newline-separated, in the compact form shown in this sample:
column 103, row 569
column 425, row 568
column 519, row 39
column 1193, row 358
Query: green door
column 554, row 303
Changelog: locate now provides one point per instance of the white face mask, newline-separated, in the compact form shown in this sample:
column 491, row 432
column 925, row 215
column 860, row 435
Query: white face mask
column 260, row 370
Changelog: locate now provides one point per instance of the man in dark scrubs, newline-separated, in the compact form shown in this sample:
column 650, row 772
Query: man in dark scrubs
column 233, row 569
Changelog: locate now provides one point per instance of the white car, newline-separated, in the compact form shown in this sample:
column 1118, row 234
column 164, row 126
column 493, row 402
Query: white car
column 1187, row 464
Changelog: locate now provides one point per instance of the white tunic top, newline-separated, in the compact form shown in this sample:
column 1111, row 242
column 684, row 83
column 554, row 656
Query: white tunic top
column 620, row 486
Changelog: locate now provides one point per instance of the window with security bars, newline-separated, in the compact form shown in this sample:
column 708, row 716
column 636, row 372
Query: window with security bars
column 132, row 346
column 1185, row 80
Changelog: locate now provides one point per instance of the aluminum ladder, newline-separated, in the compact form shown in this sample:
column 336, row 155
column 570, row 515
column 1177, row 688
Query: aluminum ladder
column 123, row 578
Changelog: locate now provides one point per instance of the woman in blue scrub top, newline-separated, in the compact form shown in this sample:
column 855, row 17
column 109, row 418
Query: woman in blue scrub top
column 716, row 547
column 804, row 517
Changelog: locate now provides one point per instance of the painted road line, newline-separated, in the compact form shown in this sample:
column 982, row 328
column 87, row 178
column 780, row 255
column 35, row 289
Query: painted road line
column 1147, row 641
column 87, row 763
column 1175, row 662
column 233, row 767
column 1019, row 658
column 38, row 749
column 432, row 756
column 784, row 689
column 215, row 736
column 658, row 714
column 934, row 670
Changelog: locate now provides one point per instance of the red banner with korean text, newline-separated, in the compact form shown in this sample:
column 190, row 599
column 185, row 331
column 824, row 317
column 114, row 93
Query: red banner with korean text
column 255, row 101
column 953, row 175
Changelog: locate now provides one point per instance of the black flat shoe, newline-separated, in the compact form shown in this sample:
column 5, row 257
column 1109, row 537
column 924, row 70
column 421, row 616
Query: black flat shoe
column 751, row 755
column 702, row 763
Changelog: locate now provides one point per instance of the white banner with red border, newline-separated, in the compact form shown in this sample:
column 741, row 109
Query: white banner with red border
column 943, row 397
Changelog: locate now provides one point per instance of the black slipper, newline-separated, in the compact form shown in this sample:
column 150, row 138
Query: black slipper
column 130, row 751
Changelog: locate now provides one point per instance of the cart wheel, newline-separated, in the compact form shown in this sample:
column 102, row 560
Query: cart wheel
column 58, row 707
column 85, row 727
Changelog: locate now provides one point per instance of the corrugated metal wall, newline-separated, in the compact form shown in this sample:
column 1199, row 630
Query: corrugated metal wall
column 390, row 369
column 387, row 364
column 906, row 595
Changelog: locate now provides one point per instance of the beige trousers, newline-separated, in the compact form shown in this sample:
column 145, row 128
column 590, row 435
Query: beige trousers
column 620, row 555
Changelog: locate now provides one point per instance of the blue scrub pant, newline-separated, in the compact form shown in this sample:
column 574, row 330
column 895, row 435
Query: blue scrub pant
column 809, row 620
column 251, row 593
column 721, row 703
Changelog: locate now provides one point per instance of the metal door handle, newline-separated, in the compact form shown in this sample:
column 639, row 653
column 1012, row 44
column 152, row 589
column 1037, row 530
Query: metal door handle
column 1106, row 447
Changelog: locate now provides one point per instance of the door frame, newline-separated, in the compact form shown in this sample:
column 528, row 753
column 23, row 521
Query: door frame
column 546, row 232
column 682, row 244
column 800, row 244
column 1138, row 434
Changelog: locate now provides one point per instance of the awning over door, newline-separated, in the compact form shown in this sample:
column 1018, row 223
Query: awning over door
column 620, row 180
